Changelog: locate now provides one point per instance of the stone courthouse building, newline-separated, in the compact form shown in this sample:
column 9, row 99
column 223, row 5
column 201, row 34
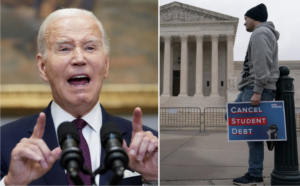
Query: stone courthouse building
column 197, row 68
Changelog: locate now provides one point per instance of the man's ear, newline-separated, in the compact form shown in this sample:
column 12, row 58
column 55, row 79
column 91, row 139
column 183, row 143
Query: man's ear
column 41, row 66
column 106, row 66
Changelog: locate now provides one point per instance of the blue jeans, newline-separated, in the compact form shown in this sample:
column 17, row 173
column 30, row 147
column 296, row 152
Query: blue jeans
column 256, row 149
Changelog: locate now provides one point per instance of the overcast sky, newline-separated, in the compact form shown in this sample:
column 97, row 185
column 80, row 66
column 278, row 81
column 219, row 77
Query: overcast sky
column 284, row 14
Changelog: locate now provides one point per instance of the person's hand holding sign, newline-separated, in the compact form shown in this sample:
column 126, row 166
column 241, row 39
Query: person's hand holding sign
column 255, row 100
column 31, row 158
column 143, row 149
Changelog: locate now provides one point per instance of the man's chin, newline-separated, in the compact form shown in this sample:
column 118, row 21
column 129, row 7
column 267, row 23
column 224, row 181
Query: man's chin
column 81, row 105
column 81, row 99
column 249, row 30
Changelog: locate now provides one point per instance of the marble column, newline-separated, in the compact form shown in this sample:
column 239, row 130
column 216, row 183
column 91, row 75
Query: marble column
column 184, row 67
column 199, row 66
column 230, row 63
column 214, row 67
column 167, row 67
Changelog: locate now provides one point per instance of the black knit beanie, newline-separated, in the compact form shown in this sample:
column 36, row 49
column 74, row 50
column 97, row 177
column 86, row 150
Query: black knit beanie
column 258, row 13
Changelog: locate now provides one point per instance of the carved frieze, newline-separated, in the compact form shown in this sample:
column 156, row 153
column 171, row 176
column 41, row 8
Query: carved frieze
column 203, row 27
column 176, row 13
column 232, row 83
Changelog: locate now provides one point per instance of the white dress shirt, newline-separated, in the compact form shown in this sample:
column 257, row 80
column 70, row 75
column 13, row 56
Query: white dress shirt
column 91, row 132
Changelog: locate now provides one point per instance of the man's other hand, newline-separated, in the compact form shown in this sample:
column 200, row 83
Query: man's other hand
column 143, row 149
column 31, row 158
column 255, row 100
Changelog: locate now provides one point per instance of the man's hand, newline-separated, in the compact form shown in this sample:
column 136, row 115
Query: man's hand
column 255, row 100
column 143, row 149
column 31, row 158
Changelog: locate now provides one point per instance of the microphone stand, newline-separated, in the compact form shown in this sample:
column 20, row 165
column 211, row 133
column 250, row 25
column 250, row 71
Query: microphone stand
column 75, row 178
column 115, row 180
column 86, row 170
column 117, row 168
column 117, row 177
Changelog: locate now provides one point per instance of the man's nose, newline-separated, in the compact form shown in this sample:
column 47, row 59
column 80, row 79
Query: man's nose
column 79, row 58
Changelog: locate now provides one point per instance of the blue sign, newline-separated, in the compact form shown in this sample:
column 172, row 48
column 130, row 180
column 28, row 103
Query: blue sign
column 265, row 122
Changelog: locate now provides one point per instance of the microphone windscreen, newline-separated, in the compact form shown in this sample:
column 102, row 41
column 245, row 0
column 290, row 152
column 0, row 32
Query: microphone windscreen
column 65, row 129
column 110, row 130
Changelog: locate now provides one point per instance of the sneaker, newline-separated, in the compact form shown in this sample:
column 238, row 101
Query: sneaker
column 247, row 179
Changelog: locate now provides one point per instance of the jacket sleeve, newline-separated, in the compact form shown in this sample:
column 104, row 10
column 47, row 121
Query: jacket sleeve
column 3, row 168
column 261, row 56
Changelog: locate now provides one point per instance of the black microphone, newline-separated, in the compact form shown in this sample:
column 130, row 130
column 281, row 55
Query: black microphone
column 71, row 157
column 116, row 158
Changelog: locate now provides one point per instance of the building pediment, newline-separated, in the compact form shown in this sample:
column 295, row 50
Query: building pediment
column 179, row 12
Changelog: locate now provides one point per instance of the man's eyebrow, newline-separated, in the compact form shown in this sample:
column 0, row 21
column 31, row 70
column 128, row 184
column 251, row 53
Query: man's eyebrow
column 92, row 40
column 62, row 41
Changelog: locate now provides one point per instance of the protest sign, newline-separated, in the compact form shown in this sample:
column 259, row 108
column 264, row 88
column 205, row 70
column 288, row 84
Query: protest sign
column 265, row 122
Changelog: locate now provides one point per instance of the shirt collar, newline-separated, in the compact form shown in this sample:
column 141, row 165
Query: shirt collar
column 93, row 118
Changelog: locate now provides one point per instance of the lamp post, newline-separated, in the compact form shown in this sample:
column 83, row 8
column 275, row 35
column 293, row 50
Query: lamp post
column 286, row 166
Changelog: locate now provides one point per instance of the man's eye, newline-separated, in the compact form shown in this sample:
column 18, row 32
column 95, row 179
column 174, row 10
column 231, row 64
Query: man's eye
column 90, row 48
column 64, row 49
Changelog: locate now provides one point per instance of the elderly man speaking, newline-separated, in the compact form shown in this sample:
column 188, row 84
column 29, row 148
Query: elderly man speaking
column 73, row 56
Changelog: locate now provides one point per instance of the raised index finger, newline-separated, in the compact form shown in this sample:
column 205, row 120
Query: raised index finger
column 39, row 128
column 137, row 122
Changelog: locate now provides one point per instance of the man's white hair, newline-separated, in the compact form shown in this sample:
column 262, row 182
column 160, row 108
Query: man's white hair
column 62, row 13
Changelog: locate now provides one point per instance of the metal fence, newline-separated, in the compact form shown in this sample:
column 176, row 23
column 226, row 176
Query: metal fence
column 191, row 117
column 214, row 117
column 180, row 116
column 297, row 116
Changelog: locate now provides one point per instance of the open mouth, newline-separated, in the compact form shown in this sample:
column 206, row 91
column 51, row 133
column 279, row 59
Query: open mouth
column 79, row 80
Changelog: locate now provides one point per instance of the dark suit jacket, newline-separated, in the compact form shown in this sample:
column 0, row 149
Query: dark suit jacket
column 12, row 133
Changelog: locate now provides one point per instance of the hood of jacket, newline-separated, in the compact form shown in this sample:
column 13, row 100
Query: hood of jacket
column 271, row 26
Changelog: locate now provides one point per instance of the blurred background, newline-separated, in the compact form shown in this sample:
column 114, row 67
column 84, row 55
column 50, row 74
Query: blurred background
column 132, row 28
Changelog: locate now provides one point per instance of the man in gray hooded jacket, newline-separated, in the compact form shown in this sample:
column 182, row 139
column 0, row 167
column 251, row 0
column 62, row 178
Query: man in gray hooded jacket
column 258, row 79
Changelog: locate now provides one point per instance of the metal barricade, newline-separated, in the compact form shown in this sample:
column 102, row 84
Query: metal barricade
column 214, row 117
column 297, row 117
column 180, row 116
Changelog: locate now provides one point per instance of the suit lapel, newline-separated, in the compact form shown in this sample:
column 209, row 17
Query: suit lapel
column 107, row 118
column 56, row 175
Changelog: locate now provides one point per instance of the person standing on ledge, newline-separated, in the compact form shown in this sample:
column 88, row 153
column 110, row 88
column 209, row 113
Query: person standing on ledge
column 258, row 79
